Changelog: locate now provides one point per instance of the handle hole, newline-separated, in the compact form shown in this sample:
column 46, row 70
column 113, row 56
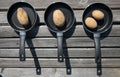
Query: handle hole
column 22, row 55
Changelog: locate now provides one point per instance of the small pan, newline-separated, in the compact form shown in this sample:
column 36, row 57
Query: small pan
column 14, row 23
column 103, row 25
column 69, row 21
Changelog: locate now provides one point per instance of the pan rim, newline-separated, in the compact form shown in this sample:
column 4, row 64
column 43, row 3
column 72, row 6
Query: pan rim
column 53, row 3
column 97, row 31
column 30, row 7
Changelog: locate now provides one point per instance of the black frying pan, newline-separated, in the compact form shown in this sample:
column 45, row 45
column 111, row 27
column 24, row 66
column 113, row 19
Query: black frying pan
column 103, row 25
column 13, row 21
column 69, row 21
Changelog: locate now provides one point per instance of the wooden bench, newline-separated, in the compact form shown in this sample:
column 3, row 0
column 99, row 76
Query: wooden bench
column 41, row 50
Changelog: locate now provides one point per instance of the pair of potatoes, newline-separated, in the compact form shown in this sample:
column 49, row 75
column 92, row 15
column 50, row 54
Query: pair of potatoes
column 91, row 22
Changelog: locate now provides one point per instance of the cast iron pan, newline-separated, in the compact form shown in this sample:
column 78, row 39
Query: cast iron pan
column 103, row 25
column 69, row 21
column 13, row 21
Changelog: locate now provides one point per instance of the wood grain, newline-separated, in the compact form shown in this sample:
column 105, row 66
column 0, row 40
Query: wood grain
column 52, row 42
column 76, row 4
column 41, row 49
column 45, row 62
column 52, row 53
column 59, row 72
column 42, row 31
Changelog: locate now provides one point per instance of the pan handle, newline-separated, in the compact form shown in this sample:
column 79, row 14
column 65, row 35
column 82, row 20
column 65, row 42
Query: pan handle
column 22, row 45
column 97, row 47
column 60, row 46
column 97, row 52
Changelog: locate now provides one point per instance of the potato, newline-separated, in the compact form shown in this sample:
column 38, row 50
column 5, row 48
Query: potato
column 22, row 16
column 90, row 22
column 58, row 18
column 98, row 15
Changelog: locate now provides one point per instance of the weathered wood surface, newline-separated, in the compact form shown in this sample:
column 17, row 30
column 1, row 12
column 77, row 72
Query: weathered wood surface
column 41, row 4
column 52, row 53
column 42, row 49
column 77, row 42
column 42, row 31
column 59, row 72
column 52, row 62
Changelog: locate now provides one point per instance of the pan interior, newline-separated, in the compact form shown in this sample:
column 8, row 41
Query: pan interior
column 105, row 23
column 68, row 13
column 12, row 16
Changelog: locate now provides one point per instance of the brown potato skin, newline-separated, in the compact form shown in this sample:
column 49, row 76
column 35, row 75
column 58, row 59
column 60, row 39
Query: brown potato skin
column 91, row 22
column 22, row 16
column 58, row 18
column 98, row 15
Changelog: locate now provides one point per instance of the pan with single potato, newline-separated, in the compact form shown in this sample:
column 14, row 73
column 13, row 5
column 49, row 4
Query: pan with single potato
column 22, row 18
column 97, row 19
column 59, row 18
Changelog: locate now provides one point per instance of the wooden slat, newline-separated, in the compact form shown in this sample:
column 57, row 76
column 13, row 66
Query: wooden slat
column 59, row 72
column 52, row 42
column 42, row 31
column 74, row 4
column 78, row 15
column 52, row 52
column 79, row 62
